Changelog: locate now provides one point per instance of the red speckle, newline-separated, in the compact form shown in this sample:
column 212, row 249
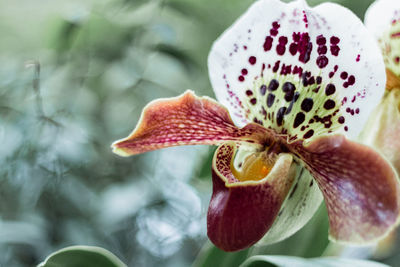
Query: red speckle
column 331, row 74
column 249, row 93
column 358, row 58
column 305, row 18
column 244, row 71
column 288, row 69
column 335, row 50
column 296, row 36
column 397, row 60
column 351, row 80
column 343, row 75
column 322, row 61
column 268, row 43
column 252, row 60
column 334, row 40
column 283, row 40
column 298, row 70
column 322, row 49
column 346, row 128
column 341, row 120
column 321, row 40
column 245, row 47
column 304, row 47
column 276, row 66
column 357, row 110
column 395, row 35
column 280, row 49
column 275, row 25
column 293, row 49
column 241, row 78
column 273, row 32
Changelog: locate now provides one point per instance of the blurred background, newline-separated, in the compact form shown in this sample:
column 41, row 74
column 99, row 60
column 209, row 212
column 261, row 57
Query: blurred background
column 74, row 77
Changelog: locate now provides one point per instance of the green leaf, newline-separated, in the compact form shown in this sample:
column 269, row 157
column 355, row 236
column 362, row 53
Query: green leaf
column 78, row 256
column 210, row 255
column 286, row 261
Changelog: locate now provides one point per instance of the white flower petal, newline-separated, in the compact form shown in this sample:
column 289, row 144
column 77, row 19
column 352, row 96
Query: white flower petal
column 324, row 56
column 383, row 20
column 380, row 16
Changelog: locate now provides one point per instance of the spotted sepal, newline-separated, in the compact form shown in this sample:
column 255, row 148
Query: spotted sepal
column 185, row 120
column 298, row 70
column 383, row 20
column 240, row 213
column 360, row 188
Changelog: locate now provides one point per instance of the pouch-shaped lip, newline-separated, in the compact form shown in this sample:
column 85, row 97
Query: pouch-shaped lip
column 240, row 213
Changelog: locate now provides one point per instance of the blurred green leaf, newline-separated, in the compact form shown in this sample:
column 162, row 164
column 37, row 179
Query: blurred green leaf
column 286, row 261
column 205, row 165
column 186, row 8
column 213, row 256
column 78, row 256
column 176, row 53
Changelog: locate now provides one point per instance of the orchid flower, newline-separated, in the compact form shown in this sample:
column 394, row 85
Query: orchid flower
column 295, row 85
column 383, row 128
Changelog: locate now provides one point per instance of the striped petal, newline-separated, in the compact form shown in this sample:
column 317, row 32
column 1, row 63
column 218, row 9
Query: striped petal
column 185, row 120
column 383, row 128
column 241, row 212
column 360, row 188
column 298, row 70
column 383, row 20
column 301, row 203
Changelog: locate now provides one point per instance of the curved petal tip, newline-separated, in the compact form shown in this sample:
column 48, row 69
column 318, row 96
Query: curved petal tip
column 361, row 189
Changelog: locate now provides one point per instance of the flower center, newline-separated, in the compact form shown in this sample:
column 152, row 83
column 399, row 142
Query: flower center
column 254, row 168
column 392, row 81
column 301, row 108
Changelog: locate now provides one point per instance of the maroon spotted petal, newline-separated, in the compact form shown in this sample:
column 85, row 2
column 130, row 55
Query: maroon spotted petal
column 360, row 188
column 298, row 70
column 185, row 120
column 240, row 213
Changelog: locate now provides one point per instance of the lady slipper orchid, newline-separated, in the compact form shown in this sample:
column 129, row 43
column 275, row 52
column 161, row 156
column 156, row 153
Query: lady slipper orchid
column 383, row 127
column 297, row 83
